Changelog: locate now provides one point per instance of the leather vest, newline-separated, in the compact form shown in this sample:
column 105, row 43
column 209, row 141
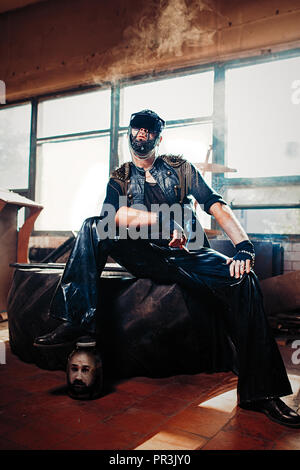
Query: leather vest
column 172, row 174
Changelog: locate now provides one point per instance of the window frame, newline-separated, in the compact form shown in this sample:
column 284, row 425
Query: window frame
column 219, row 181
column 23, row 191
column 244, row 62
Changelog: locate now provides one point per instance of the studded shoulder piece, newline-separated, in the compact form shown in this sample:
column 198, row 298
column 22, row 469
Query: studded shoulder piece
column 183, row 170
column 173, row 160
column 122, row 173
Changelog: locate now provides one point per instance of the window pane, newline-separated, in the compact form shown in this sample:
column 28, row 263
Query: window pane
column 279, row 221
column 71, row 182
column 174, row 98
column 263, row 136
column 14, row 146
column 77, row 113
column 192, row 142
column 264, row 195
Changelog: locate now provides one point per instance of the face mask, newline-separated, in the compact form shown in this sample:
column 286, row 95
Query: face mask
column 142, row 147
column 152, row 125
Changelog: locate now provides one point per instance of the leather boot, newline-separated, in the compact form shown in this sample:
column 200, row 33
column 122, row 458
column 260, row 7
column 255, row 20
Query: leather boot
column 276, row 410
column 63, row 335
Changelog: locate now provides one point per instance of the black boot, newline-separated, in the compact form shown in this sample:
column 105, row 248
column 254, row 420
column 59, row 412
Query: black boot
column 276, row 410
column 63, row 335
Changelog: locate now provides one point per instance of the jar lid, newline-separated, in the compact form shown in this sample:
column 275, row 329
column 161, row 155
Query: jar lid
column 86, row 342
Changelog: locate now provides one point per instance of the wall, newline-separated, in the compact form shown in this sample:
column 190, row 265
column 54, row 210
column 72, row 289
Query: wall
column 60, row 44
column 291, row 256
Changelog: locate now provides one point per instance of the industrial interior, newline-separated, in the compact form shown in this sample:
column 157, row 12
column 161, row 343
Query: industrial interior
column 225, row 76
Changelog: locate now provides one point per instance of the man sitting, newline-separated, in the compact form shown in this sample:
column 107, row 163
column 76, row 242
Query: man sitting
column 138, row 231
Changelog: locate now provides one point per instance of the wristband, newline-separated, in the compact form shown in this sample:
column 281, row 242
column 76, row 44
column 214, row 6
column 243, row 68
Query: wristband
column 245, row 245
column 245, row 250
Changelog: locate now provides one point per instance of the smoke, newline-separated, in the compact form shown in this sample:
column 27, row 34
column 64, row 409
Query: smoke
column 160, row 32
column 174, row 28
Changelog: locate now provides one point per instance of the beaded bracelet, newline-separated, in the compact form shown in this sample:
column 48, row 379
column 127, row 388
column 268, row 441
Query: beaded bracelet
column 250, row 254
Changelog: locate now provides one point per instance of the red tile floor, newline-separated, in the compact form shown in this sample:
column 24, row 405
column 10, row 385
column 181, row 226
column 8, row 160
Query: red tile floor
column 178, row 413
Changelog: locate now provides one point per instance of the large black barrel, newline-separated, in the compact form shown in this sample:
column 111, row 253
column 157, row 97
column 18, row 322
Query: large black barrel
column 144, row 328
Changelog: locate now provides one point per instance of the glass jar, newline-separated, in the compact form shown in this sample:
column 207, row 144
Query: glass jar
column 84, row 370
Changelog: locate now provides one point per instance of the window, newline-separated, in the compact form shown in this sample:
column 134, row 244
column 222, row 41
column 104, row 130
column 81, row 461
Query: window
column 74, row 114
column 262, row 142
column 263, row 136
column 177, row 98
column 247, row 109
column 15, row 146
column 269, row 221
column 72, row 164
column 71, row 182
column 191, row 141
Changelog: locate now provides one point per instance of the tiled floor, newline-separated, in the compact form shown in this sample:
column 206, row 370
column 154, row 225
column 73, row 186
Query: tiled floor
column 178, row 413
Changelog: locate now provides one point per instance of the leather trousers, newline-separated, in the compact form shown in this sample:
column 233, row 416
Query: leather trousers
column 261, row 371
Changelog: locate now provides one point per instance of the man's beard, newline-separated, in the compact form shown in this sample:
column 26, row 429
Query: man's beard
column 79, row 389
column 152, row 154
column 142, row 149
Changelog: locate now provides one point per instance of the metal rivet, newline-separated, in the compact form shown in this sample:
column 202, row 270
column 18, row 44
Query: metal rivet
column 130, row 196
column 168, row 172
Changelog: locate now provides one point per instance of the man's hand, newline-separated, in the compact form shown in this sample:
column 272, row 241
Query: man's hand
column 243, row 260
column 237, row 267
column 178, row 240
